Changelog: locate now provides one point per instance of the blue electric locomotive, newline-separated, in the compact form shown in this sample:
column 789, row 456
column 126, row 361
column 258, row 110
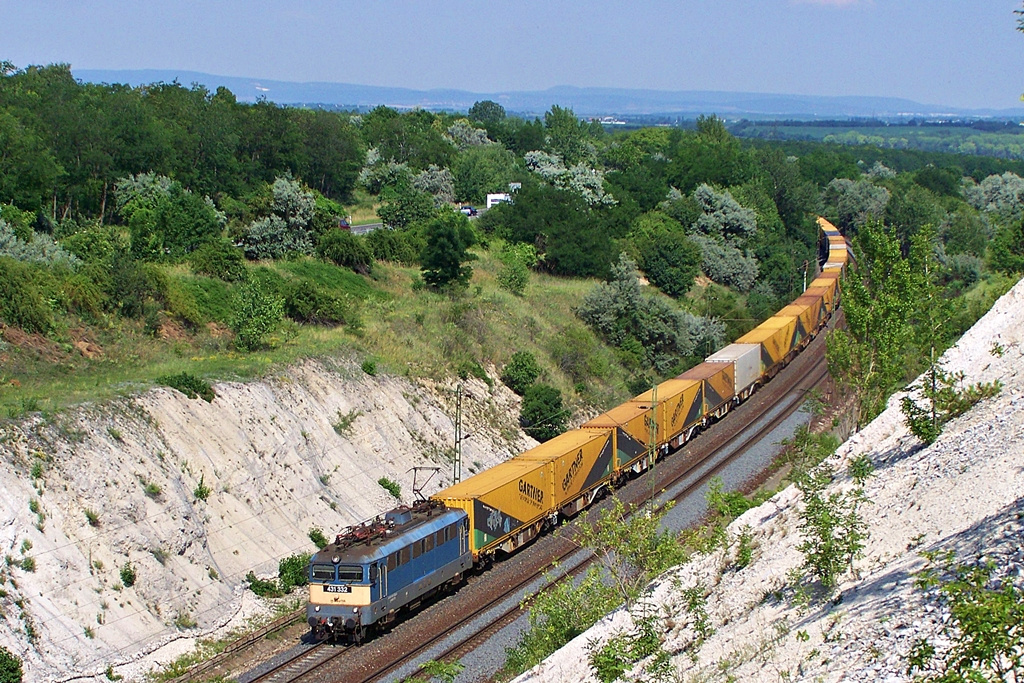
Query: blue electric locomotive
column 375, row 569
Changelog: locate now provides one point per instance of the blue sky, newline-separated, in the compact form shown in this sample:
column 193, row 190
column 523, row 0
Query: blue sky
column 963, row 53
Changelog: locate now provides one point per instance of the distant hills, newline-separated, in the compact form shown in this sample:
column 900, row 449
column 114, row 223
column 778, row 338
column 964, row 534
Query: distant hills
column 587, row 102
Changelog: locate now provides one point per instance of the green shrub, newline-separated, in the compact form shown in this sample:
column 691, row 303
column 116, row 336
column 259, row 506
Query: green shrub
column 293, row 571
column 316, row 534
column 542, row 415
column 128, row 575
column 202, row 491
column 219, row 259
column 344, row 249
column 345, row 420
column 391, row 245
column 391, row 487
column 262, row 588
column 10, row 667
column 306, row 302
column 369, row 367
column 92, row 517
column 189, row 384
column 520, row 372
column 21, row 303
column 259, row 310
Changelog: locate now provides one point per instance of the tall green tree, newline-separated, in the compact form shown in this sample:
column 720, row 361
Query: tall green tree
column 445, row 256
column 878, row 300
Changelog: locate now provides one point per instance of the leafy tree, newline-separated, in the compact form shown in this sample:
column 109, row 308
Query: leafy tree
column 711, row 155
column 725, row 264
column 307, row 302
column 878, row 301
column 631, row 545
column 486, row 111
column 672, row 263
column 403, row 205
column 520, row 372
column 480, row 170
column 645, row 327
column 850, row 204
column 411, row 138
column 391, row 245
column 258, row 312
column 21, row 303
column 567, row 135
column 293, row 571
column 448, row 237
column 288, row 229
column 438, row 183
column 220, row 259
column 542, row 415
column 721, row 215
column 1006, row 251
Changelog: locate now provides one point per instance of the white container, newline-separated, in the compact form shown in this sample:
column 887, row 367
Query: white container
column 746, row 359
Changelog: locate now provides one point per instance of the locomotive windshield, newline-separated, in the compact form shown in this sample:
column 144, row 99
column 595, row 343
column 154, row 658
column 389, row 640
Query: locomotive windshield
column 323, row 572
column 350, row 573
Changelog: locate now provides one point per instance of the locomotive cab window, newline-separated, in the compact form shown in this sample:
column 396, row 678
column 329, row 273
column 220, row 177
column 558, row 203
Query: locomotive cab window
column 323, row 572
column 392, row 561
column 350, row 573
column 373, row 573
column 428, row 543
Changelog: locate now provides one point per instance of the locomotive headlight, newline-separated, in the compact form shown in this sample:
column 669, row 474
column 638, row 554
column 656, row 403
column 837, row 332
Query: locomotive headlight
column 355, row 610
column 316, row 608
column 335, row 559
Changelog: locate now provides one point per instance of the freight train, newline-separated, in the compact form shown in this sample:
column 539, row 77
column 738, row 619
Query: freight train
column 375, row 570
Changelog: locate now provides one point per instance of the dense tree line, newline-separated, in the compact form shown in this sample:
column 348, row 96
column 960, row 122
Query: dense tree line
column 103, row 187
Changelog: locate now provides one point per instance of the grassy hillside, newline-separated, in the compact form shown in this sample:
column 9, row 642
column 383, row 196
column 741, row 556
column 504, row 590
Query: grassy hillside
column 402, row 330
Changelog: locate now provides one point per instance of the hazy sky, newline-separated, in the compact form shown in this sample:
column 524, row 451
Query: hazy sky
column 963, row 53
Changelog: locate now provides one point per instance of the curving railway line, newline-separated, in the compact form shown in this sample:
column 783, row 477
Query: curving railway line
column 456, row 625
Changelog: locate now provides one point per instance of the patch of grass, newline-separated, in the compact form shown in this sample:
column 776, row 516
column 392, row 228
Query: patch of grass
column 184, row 621
column 343, row 426
column 332, row 277
column 92, row 517
column 391, row 487
column 190, row 385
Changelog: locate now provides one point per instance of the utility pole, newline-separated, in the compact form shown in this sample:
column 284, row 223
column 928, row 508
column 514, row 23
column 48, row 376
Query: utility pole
column 457, row 475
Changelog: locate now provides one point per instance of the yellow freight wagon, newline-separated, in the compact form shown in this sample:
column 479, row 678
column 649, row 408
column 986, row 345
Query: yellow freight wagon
column 717, row 386
column 775, row 335
column 679, row 411
column 507, row 504
column 824, row 291
column 630, row 425
column 580, row 463
column 806, row 310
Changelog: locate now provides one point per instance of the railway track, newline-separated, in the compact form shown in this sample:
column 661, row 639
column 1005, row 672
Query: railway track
column 488, row 611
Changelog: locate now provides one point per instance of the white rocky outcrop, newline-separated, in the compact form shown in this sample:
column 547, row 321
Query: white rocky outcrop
column 964, row 493
column 275, row 467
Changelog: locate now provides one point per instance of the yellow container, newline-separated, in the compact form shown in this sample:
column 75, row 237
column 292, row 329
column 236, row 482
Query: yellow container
column 630, row 423
column 717, row 384
column 502, row 500
column 578, row 461
column 680, row 406
column 775, row 335
column 807, row 311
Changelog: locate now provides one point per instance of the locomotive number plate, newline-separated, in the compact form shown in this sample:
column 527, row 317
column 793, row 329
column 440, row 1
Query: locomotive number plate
column 337, row 589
